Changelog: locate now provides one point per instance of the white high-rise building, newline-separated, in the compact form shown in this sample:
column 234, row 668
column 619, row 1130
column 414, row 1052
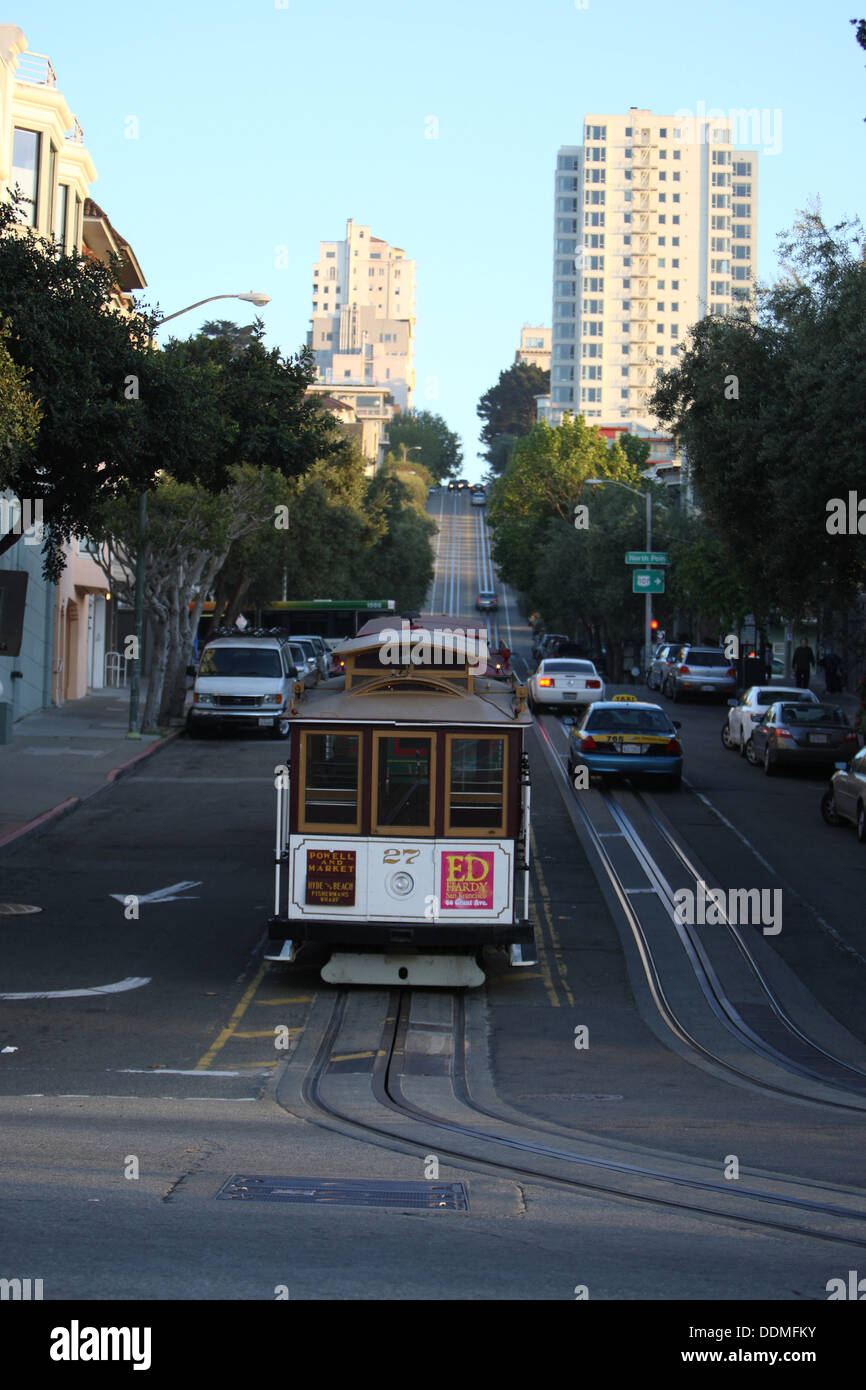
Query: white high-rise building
column 363, row 319
column 655, row 227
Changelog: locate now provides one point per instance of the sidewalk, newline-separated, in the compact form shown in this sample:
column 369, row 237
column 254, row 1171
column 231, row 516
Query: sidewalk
column 59, row 757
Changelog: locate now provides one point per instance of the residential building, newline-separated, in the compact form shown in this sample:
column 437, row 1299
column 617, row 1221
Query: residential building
column 534, row 347
column 363, row 318
column 66, row 625
column 363, row 412
column 655, row 226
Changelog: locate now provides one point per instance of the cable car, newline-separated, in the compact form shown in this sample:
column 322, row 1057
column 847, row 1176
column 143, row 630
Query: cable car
column 402, row 825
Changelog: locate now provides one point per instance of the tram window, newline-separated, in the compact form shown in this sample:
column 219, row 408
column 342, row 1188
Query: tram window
column 330, row 780
column 476, row 785
column 403, row 783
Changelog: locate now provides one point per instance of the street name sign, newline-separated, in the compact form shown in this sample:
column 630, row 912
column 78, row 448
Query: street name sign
column 646, row 557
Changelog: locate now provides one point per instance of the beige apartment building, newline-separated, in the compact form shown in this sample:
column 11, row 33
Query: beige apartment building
column 363, row 318
column 534, row 346
column 655, row 227
column 67, row 625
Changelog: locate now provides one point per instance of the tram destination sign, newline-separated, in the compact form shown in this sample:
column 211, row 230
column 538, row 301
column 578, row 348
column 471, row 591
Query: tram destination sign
column 647, row 557
column 330, row 878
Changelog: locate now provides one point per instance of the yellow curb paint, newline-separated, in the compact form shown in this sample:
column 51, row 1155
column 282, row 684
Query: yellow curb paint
column 233, row 1021
column 270, row 1032
column 548, row 915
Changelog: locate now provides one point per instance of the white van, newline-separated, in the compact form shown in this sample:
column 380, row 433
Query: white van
column 243, row 681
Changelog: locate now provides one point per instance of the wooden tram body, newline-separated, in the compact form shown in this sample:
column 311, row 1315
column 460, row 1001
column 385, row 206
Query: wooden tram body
column 403, row 812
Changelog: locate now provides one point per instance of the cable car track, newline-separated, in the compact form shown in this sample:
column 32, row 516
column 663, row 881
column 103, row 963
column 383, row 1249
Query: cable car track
column 480, row 1148
column 705, row 975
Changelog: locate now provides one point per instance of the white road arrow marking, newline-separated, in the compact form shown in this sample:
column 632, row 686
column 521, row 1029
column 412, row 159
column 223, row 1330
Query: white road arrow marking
column 163, row 895
column 131, row 982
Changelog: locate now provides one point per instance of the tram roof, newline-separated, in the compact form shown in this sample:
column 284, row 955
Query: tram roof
column 490, row 704
column 443, row 624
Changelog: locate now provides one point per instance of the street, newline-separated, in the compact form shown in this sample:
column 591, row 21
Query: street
column 592, row 1106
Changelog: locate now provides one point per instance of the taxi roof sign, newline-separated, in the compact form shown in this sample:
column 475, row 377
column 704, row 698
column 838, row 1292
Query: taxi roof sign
column 625, row 697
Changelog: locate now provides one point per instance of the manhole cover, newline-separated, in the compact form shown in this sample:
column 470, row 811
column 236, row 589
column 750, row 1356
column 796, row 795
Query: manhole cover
column 17, row 909
column 347, row 1192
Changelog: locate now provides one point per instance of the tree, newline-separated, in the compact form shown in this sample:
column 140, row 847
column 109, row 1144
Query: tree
column 240, row 338
column 439, row 447
column 400, row 564
column 636, row 450
column 19, row 415
column 771, row 416
column 116, row 412
column 510, row 407
column 860, row 33
column 78, row 355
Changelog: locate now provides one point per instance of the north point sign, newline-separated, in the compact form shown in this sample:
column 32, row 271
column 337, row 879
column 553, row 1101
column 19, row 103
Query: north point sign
column 416, row 646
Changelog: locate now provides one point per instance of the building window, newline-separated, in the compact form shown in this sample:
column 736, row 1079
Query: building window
column 26, row 151
column 676, row 219
column 61, row 213
column 675, row 284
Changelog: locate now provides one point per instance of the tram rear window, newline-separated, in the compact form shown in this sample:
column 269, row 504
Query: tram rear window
column 331, row 779
column 476, row 786
column 403, row 793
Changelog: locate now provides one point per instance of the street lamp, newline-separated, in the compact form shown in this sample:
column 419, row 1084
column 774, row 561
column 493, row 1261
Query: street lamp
column 253, row 297
column 648, row 602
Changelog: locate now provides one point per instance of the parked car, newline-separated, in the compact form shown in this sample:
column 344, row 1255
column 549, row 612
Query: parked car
column 244, row 682
column 487, row 602
column 750, row 709
column 313, row 648
column 700, row 671
column 565, row 683
column 660, row 664
column 803, row 734
column 627, row 736
column 845, row 798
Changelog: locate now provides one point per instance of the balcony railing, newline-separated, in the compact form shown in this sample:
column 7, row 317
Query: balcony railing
column 76, row 135
column 36, row 68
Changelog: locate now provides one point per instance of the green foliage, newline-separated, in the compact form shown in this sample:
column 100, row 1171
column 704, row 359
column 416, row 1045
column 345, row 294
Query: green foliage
column 636, row 450
column 509, row 407
column 400, row 564
column 19, row 415
column 115, row 411
column 438, row 447
column 771, row 414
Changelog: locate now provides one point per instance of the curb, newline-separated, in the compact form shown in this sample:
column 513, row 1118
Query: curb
column 121, row 770
column 41, row 822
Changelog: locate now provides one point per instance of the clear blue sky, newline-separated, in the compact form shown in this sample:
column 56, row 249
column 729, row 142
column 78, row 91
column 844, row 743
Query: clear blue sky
column 263, row 127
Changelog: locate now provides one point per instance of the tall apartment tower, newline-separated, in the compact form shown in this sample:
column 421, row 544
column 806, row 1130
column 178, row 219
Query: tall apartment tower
column 655, row 227
column 363, row 319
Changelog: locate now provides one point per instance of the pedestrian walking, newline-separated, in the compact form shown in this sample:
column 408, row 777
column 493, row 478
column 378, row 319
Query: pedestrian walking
column 832, row 664
column 804, row 660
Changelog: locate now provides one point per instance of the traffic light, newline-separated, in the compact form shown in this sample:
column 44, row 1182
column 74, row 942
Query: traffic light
column 654, row 625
